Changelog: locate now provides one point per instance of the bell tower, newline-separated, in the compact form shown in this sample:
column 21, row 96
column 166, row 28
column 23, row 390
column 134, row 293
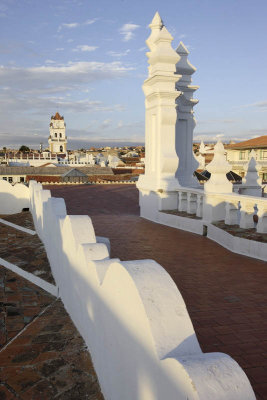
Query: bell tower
column 57, row 140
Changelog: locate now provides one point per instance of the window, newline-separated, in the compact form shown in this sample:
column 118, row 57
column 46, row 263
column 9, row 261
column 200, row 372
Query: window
column 264, row 177
column 10, row 179
column 60, row 135
column 21, row 179
column 264, row 155
column 242, row 155
column 55, row 134
column 5, row 178
column 61, row 148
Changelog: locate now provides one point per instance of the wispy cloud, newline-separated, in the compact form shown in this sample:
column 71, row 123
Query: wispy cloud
column 68, row 26
column 127, row 31
column 50, row 86
column 90, row 21
column 118, row 55
column 106, row 124
column 216, row 121
column 262, row 105
column 85, row 47
column 72, row 25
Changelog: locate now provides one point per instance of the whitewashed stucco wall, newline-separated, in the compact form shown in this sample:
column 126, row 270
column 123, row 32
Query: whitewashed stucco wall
column 13, row 198
column 131, row 315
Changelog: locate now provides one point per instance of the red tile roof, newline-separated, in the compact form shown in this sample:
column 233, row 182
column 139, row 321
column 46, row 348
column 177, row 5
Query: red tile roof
column 57, row 116
column 259, row 142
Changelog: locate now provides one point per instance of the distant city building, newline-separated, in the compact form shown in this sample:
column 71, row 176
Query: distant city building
column 57, row 140
column 238, row 156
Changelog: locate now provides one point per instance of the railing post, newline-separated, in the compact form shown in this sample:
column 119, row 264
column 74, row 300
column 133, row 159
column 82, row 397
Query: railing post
column 191, row 203
column 182, row 201
column 262, row 217
column 231, row 213
column 247, row 212
column 199, row 212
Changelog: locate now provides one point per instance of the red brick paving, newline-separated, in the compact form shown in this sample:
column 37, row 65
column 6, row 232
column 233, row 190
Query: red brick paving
column 20, row 303
column 48, row 360
column 225, row 293
column 42, row 355
column 22, row 249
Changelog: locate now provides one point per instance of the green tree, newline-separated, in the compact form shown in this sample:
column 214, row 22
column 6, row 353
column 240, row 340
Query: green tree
column 24, row 149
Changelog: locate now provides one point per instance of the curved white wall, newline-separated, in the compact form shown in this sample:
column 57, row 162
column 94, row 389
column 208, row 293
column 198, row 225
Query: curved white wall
column 13, row 198
column 131, row 315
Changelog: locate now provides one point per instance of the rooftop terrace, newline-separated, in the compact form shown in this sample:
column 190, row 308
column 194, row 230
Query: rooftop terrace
column 225, row 295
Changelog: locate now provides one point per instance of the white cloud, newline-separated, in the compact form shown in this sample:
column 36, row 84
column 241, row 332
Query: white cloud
column 41, row 90
column 72, row 25
column 68, row 26
column 90, row 21
column 49, row 62
column 118, row 55
column 216, row 121
column 106, row 124
column 127, row 31
column 85, row 47
column 143, row 48
column 72, row 74
column 182, row 36
column 259, row 104
column 59, row 48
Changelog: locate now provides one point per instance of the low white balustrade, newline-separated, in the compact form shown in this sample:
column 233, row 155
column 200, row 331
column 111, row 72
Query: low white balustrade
column 232, row 208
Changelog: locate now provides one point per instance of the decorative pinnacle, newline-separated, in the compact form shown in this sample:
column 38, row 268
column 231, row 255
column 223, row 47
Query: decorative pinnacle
column 184, row 67
column 156, row 21
column 164, row 35
column 219, row 164
column 155, row 27
column 182, row 49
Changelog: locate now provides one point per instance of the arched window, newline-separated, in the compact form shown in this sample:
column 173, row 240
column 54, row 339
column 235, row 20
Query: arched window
column 60, row 135
column 61, row 148
column 55, row 134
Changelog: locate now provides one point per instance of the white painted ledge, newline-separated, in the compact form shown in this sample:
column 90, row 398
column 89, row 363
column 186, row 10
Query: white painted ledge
column 48, row 287
column 250, row 248
column 18, row 227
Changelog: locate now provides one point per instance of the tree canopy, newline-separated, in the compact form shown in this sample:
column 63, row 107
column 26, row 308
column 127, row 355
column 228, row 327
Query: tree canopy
column 24, row 149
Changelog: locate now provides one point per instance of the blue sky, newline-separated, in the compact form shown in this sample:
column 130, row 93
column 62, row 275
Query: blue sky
column 86, row 59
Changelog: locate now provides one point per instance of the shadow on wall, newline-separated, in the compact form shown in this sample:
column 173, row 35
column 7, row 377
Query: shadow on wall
column 131, row 316
column 13, row 198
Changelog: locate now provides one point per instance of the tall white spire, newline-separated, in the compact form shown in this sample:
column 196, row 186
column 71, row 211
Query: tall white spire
column 161, row 158
column 185, row 123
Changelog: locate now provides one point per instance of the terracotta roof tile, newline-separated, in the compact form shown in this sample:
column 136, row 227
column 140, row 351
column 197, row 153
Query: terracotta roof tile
column 259, row 142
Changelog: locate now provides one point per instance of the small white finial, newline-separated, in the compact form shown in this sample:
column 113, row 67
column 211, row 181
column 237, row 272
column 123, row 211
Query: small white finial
column 182, row 49
column 218, row 167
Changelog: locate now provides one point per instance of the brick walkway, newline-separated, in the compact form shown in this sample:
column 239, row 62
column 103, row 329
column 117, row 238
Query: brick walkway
column 225, row 293
column 42, row 355
column 24, row 250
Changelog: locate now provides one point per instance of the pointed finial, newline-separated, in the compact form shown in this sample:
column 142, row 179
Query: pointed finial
column 182, row 49
column 164, row 35
column 155, row 27
column 184, row 67
column 218, row 168
column 156, row 21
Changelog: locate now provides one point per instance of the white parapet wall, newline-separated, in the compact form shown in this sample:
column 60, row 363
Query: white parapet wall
column 13, row 198
column 131, row 315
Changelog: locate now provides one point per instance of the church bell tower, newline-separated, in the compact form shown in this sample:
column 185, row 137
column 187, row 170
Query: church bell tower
column 57, row 140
